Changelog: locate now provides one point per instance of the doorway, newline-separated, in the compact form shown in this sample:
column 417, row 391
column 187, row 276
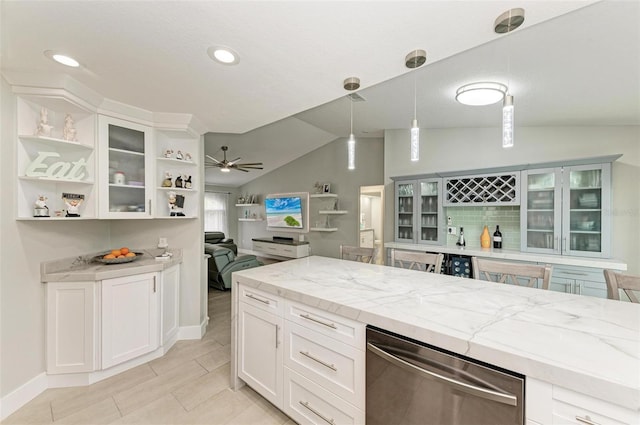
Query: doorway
column 371, row 219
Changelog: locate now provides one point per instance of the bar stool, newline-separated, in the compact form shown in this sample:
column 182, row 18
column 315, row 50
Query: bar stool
column 502, row 271
column 617, row 281
column 356, row 253
column 431, row 263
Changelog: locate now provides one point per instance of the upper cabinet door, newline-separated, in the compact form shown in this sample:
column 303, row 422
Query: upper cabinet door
column 431, row 216
column 587, row 203
column 125, row 169
column 541, row 210
column 405, row 211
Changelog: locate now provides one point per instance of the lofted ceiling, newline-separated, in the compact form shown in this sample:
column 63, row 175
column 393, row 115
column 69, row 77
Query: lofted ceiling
column 571, row 63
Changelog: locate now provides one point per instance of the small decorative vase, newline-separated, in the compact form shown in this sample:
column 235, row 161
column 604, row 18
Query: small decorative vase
column 485, row 238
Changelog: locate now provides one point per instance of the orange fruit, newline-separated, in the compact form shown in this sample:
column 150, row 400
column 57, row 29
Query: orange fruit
column 116, row 252
column 130, row 254
column 109, row 256
column 124, row 251
column 120, row 256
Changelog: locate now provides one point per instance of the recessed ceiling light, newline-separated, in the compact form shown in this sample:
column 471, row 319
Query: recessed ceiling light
column 63, row 59
column 481, row 94
column 223, row 55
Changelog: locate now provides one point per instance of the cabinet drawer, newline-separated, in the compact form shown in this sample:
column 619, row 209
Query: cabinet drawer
column 261, row 299
column 336, row 366
column 308, row 403
column 578, row 273
column 570, row 407
column 346, row 330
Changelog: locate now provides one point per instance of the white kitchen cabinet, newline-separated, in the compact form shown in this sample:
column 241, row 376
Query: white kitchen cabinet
column 130, row 318
column 493, row 189
column 52, row 160
column 419, row 214
column 307, row 362
column 71, row 342
column 170, row 302
column 566, row 210
column 260, row 348
column 579, row 280
column 281, row 248
column 126, row 168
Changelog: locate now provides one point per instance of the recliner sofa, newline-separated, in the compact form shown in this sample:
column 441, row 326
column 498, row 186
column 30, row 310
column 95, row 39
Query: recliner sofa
column 223, row 262
column 218, row 238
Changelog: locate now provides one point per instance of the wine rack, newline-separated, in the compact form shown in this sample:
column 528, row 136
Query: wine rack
column 487, row 189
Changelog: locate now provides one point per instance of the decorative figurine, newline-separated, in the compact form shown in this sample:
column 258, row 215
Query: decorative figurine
column 167, row 153
column 179, row 155
column 44, row 129
column 69, row 131
column 40, row 208
column 72, row 201
column 318, row 187
column 178, row 181
column 167, row 180
column 187, row 156
column 176, row 203
column 187, row 182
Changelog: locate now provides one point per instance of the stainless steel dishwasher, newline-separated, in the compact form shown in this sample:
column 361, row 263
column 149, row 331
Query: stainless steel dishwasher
column 409, row 382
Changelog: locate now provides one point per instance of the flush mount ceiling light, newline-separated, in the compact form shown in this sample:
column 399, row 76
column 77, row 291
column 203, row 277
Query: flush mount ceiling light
column 224, row 55
column 509, row 20
column 62, row 59
column 481, row 94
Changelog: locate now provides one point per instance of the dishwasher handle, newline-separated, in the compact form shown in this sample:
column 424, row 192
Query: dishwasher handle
column 475, row 390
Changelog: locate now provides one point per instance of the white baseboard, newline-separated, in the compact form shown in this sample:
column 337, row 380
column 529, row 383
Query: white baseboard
column 22, row 395
column 194, row 332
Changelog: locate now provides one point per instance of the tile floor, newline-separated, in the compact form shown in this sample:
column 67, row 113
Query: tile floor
column 188, row 385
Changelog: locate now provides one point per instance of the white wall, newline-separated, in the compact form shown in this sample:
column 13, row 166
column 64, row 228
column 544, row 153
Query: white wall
column 476, row 148
column 25, row 244
column 327, row 164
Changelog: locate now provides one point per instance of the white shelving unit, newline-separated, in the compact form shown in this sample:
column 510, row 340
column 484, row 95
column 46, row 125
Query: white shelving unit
column 323, row 197
column 250, row 217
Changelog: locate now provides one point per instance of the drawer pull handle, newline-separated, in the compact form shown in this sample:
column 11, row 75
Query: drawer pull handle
column 329, row 325
column 574, row 273
column 315, row 412
column 586, row 420
column 253, row 297
column 325, row 364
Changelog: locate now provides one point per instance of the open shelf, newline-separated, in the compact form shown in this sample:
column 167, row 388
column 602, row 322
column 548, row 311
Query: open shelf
column 247, row 205
column 250, row 219
column 323, row 229
column 333, row 212
column 323, row 195
column 54, row 141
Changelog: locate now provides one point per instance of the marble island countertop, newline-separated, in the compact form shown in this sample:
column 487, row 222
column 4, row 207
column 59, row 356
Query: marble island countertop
column 511, row 254
column 586, row 344
column 76, row 269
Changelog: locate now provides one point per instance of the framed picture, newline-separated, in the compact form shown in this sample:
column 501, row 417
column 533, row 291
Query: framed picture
column 326, row 188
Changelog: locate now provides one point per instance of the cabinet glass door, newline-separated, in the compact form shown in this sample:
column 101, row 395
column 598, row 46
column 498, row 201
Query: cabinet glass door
column 584, row 227
column 429, row 211
column 125, row 164
column 541, row 218
column 404, row 211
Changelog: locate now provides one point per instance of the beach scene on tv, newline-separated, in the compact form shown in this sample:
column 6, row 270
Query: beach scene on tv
column 284, row 212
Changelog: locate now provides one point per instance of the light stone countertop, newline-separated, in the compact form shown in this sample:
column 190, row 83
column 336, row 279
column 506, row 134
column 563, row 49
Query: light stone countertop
column 76, row 269
column 507, row 254
column 586, row 344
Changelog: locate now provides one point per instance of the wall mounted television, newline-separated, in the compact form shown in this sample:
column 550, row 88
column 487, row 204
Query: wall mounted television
column 286, row 212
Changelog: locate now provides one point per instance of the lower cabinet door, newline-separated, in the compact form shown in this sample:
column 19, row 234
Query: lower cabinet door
column 130, row 318
column 308, row 403
column 260, row 351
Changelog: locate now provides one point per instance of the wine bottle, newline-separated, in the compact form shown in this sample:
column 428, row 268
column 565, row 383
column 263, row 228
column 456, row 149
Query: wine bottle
column 485, row 238
column 497, row 238
column 461, row 241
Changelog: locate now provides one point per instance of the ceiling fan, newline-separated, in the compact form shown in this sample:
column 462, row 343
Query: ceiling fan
column 226, row 166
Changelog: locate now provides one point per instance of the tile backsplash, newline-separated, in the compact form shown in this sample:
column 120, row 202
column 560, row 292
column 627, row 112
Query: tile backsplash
column 473, row 219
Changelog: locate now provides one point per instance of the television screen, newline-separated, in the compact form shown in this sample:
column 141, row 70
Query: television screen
column 284, row 212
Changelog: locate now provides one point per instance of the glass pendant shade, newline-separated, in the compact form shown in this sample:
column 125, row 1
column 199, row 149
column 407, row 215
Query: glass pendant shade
column 351, row 152
column 507, row 122
column 415, row 141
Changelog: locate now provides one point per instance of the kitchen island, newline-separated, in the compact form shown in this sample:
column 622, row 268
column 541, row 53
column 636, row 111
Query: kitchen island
column 561, row 342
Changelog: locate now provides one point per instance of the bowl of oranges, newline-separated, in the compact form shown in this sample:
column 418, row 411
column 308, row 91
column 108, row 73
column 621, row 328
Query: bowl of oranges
column 118, row 256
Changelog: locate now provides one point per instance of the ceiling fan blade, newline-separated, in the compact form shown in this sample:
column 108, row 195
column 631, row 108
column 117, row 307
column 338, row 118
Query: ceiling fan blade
column 249, row 163
column 252, row 167
column 240, row 169
column 234, row 161
column 210, row 164
column 213, row 159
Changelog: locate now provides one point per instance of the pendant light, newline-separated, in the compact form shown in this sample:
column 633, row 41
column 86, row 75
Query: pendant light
column 350, row 84
column 415, row 59
column 505, row 23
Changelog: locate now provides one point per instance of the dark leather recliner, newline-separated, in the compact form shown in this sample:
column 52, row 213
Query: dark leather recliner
column 223, row 262
column 219, row 239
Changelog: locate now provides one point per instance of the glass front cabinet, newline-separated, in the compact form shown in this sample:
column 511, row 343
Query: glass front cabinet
column 126, row 163
column 564, row 210
column 419, row 215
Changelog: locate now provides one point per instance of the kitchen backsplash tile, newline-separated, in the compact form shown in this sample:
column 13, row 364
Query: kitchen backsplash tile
column 473, row 220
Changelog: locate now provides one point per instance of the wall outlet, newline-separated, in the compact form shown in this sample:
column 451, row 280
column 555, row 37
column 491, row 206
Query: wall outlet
column 452, row 230
column 162, row 243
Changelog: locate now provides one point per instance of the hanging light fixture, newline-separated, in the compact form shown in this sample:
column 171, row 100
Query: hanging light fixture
column 415, row 59
column 350, row 84
column 505, row 23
